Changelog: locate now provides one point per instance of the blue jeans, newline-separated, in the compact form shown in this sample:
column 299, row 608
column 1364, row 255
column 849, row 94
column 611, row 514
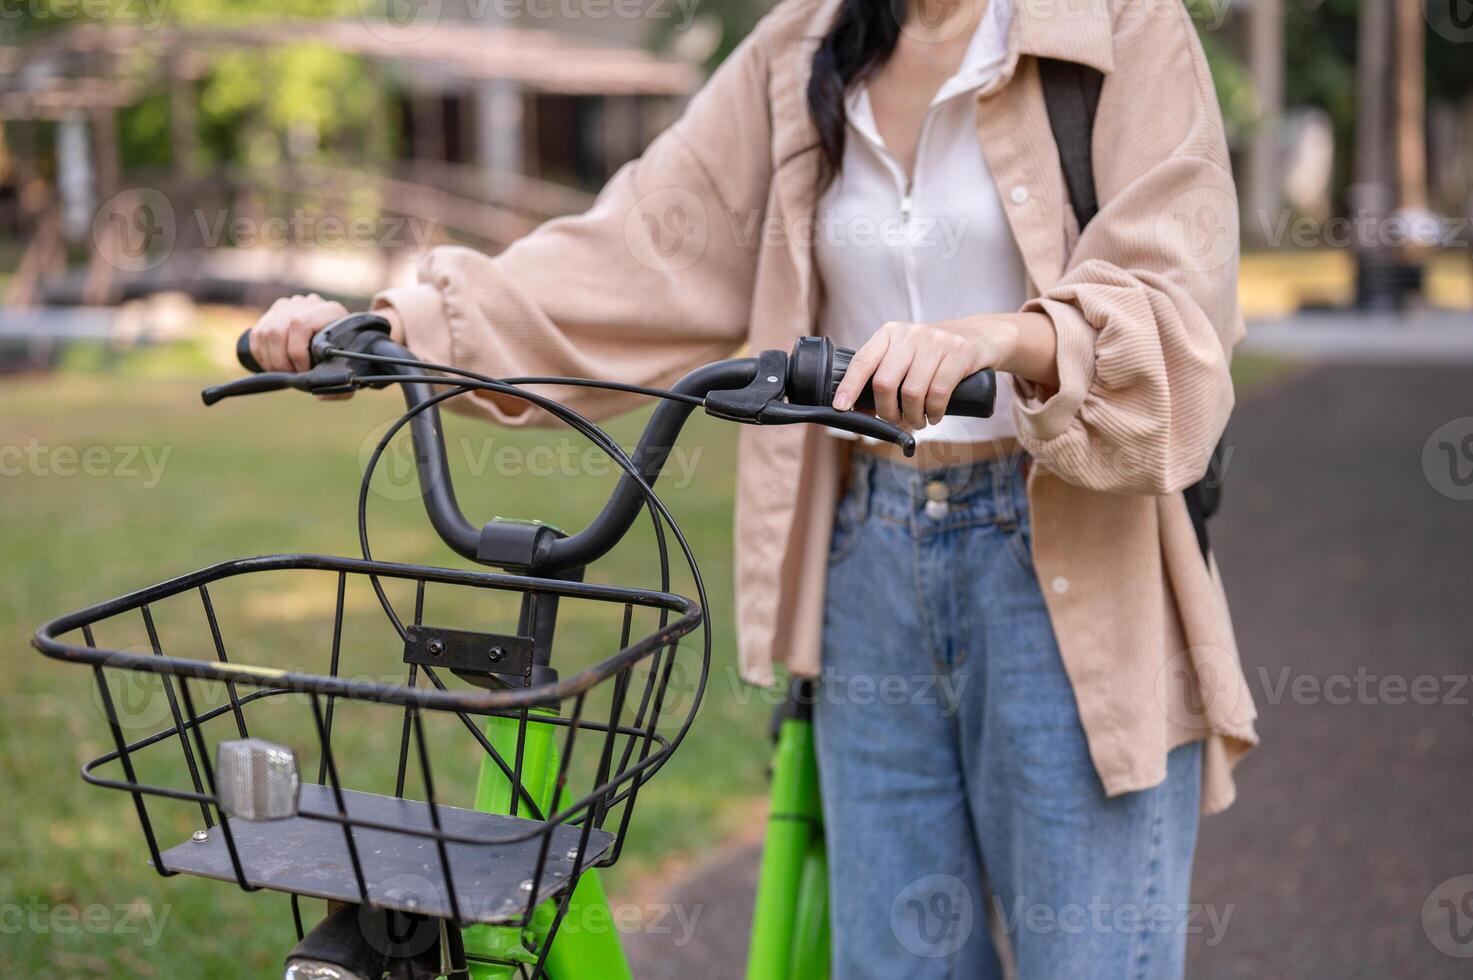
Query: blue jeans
column 957, row 783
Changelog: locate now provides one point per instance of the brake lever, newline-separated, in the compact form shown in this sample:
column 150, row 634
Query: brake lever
column 782, row 413
column 328, row 378
column 760, row 403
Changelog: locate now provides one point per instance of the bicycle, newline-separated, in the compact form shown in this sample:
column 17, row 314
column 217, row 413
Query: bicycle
column 415, row 887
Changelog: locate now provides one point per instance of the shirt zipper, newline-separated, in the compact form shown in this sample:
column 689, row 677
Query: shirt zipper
column 907, row 210
column 906, row 183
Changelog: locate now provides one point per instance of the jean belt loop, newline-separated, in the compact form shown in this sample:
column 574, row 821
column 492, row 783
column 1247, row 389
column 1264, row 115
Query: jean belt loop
column 863, row 483
column 1003, row 478
column 1018, row 482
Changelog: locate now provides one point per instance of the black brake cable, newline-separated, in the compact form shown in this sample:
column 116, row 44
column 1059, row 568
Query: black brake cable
column 568, row 382
column 646, row 769
column 586, row 427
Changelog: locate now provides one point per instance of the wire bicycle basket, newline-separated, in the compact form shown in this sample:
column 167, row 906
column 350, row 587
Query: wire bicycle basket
column 224, row 727
column 249, row 734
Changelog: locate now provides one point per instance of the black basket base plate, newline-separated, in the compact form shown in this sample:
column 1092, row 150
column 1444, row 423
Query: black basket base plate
column 309, row 857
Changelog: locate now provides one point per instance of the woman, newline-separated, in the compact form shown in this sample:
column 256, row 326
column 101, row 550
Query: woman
column 1031, row 684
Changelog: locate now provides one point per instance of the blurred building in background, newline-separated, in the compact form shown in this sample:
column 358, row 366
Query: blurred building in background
column 231, row 153
column 236, row 161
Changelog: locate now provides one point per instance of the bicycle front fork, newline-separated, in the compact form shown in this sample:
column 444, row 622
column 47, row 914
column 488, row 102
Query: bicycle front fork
column 790, row 926
column 585, row 945
column 790, row 923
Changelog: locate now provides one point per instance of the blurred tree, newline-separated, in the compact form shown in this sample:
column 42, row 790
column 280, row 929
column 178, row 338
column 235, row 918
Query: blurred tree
column 1321, row 73
column 732, row 20
column 301, row 103
column 1321, row 34
column 255, row 106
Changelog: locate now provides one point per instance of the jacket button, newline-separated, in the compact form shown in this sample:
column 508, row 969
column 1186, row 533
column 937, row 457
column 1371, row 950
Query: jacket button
column 1019, row 195
column 1060, row 585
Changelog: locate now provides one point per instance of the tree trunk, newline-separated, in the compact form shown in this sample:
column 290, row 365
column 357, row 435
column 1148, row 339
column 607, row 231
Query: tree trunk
column 1372, row 196
column 1265, row 152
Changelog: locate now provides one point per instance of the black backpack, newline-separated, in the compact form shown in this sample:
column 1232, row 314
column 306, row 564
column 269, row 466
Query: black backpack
column 1072, row 92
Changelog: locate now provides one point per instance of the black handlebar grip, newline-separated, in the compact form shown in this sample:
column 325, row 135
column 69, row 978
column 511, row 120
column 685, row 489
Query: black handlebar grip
column 816, row 367
column 244, row 356
column 356, row 331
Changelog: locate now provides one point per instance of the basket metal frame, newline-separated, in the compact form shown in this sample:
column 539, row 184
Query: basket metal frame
column 620, row 774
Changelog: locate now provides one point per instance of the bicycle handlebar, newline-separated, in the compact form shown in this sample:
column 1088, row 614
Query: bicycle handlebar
column 817, row 366
column 244, row 356
column 742, row 389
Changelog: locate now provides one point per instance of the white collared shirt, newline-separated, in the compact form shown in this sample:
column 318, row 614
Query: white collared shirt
column 934, row 246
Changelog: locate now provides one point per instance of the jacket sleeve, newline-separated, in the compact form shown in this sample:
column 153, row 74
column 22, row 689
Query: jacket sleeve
column 654, row 279
column 1146, row 312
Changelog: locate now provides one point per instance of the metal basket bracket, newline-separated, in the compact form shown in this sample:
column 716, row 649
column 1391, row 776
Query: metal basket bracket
column 508, row 658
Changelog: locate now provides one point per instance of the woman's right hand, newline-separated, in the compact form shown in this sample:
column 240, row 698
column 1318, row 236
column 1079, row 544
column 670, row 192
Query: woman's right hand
column 279, row 340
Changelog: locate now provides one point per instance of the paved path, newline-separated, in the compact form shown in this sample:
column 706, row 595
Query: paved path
column 1432, row 336
column 1348, row 571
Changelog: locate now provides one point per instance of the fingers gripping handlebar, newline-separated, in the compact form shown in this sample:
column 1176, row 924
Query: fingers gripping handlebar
column 817, row 366
column 770, row 389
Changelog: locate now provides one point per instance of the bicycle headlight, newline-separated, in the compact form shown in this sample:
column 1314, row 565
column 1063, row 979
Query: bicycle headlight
column 317, row 970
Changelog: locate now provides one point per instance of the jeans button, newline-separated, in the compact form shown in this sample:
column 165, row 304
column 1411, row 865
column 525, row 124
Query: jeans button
column 937, row 493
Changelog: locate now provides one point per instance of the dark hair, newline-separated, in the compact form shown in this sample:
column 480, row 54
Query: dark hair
column 860, row 41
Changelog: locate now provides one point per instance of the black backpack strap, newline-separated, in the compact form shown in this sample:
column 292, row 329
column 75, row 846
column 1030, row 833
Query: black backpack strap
column 1198, row 512
column 1072, row 94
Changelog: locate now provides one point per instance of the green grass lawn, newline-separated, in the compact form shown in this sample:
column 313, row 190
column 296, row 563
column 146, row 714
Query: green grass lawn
column 172, row 486
column 175, row 486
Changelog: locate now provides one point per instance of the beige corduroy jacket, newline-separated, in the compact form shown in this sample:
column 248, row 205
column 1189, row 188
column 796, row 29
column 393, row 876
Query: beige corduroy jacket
column 704, row 245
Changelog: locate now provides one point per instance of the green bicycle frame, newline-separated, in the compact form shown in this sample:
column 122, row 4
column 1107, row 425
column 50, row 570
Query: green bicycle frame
column 790, row 921
column 587, row 945
column 790, row 931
